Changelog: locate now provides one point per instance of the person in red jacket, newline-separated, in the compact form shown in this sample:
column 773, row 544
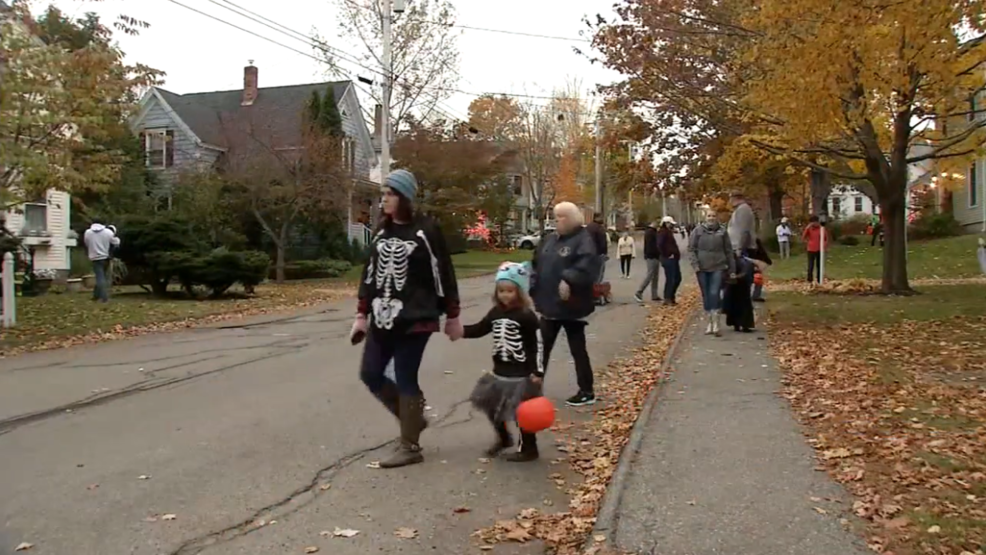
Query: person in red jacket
column 812, row 236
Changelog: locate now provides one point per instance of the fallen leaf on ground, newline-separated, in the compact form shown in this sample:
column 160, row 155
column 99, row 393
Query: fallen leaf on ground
column 23, row 546
column 169, row 516
column 406, row 533
column 374, row 464
column 593, row 447
column 311, row 549
column 144, row 477
column 344, row 532
column 460, row 510
column 325, row 487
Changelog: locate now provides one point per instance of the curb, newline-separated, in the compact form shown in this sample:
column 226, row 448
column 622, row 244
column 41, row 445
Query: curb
column 606, row 517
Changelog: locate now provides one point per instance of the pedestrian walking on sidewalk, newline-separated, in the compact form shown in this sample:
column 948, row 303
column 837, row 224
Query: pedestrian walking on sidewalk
column 626, row 250
column 565, row 269
column 599, row 238
column 711, row 256
column 737, row 304
column 667, row 246
column 406, row 286
column 518, row 359
column 652, row 257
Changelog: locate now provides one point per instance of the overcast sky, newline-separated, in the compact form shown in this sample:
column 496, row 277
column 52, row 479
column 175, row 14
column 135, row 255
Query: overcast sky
column 201, row 54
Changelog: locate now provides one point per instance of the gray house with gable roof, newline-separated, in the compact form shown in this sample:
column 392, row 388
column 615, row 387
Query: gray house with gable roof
column 198, row 131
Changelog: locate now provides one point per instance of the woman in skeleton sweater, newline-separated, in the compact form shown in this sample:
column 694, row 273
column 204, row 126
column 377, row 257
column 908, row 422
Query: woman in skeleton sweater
column 407, row 285
column 518, row 359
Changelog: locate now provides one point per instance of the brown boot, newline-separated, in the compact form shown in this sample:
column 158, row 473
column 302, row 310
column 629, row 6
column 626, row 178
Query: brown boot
column 528, row 449
column 390, row 399
column 411, row 413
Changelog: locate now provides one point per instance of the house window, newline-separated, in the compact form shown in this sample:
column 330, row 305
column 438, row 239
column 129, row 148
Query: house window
column 972, row 182
column 836, row 206
column 858, row 204
column 159, row 148
column 36, row 217
column 517, row 185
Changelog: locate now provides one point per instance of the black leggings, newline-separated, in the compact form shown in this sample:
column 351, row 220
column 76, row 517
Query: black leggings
column 625, row 260
column 575, row 332
column 405, row 349
column 815, row 266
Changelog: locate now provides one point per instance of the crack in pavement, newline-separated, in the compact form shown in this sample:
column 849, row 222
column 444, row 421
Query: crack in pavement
column 249, row 525
column 9, row 424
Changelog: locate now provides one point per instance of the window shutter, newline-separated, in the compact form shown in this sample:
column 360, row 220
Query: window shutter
column 169, row 149
column 143, row 146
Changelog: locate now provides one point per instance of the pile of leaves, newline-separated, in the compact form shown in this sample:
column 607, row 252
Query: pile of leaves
column 594, row 446
column 859, row 286
column 897, row 413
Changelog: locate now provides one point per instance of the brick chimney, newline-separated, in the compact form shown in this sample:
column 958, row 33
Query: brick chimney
column 249, row 84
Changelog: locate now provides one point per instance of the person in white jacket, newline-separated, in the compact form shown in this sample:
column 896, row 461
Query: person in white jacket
column 783, row 232
column 626, row 249
column 99, row 240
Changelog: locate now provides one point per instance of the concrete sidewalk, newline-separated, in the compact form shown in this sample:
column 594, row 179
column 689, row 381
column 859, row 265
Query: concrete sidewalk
column 723, row 467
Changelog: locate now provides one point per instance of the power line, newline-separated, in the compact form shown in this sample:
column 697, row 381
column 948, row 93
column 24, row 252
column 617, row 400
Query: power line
column 321, row 45
column 332, row 50
column 277, row 43
column 501, row 31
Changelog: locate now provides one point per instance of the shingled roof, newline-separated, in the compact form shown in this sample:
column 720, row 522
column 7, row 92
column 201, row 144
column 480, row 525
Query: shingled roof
column 276, row 113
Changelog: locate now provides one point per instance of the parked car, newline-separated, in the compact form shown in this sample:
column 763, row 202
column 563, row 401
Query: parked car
column 531, row 240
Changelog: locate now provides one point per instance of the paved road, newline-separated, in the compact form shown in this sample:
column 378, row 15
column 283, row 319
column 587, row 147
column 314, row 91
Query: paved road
column 723, row 466
column 244, row 423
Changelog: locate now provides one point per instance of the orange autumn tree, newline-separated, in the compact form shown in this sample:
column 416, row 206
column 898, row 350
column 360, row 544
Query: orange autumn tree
column 566, row 187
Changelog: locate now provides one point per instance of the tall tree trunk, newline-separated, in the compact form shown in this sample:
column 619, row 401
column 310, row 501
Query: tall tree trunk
column 821, row 187
column 776, row 204
column 279, row 260
column 895, row 249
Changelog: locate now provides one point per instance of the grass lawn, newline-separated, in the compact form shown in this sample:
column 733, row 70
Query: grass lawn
column 892, row 391
column 954, row 257
column 64, row 317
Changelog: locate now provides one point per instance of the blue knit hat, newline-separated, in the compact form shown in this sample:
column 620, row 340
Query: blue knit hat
column 519, row 274
column 403, row 182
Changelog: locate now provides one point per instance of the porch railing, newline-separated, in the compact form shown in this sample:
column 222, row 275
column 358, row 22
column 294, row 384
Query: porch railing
column 360, row 233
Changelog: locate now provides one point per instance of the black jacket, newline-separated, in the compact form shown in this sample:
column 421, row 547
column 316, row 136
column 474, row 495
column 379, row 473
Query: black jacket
column 517, row 348
column 409, row 278
column 667, row 244
column 599, row 237
column 572, row 258
column 651, row 252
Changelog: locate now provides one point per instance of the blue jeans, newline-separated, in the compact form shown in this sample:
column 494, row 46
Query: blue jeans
column 405, row 349
column 672, row 277
column 100, row 269
column 711, row 285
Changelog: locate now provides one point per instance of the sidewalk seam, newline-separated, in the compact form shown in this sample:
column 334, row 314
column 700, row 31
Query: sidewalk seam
column 606, row 517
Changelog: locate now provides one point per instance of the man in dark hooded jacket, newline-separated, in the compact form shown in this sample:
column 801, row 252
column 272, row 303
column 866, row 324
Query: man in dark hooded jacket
column 652, row 257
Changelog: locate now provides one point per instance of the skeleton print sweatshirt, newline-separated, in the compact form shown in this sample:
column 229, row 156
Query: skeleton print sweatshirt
column 517, row 348
column 409, row 280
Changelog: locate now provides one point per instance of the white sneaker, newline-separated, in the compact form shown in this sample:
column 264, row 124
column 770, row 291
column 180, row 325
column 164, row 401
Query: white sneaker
column 708, row 325
column 715, row 323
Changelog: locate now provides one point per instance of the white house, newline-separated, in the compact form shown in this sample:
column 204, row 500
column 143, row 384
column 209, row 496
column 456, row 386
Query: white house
column 44, row 223
column 846, row 202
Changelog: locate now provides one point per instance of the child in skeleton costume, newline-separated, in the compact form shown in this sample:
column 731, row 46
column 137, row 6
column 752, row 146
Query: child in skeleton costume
column 518, row 362
column 407, row 285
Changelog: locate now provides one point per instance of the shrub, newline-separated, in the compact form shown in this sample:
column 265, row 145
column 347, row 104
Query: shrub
column 156, row 250
column 935, row 226
column 849, row 240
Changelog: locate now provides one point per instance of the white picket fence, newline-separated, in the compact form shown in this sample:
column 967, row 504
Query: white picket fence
column 8, row 315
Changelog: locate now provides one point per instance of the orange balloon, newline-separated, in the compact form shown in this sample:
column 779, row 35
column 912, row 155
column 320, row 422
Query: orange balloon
column 535, row 415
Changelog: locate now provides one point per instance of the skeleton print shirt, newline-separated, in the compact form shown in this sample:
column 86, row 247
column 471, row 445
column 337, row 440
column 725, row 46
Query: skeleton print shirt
column 409, row 281
column 517, row 348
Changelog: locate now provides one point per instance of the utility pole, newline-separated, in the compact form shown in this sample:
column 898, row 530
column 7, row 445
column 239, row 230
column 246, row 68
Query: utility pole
column 599, row 166
column 388, row 72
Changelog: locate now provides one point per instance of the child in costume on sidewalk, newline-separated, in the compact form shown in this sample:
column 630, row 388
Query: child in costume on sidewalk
column 518, row 359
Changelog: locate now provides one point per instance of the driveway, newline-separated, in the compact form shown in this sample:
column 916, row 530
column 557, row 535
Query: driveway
column 257, row 437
